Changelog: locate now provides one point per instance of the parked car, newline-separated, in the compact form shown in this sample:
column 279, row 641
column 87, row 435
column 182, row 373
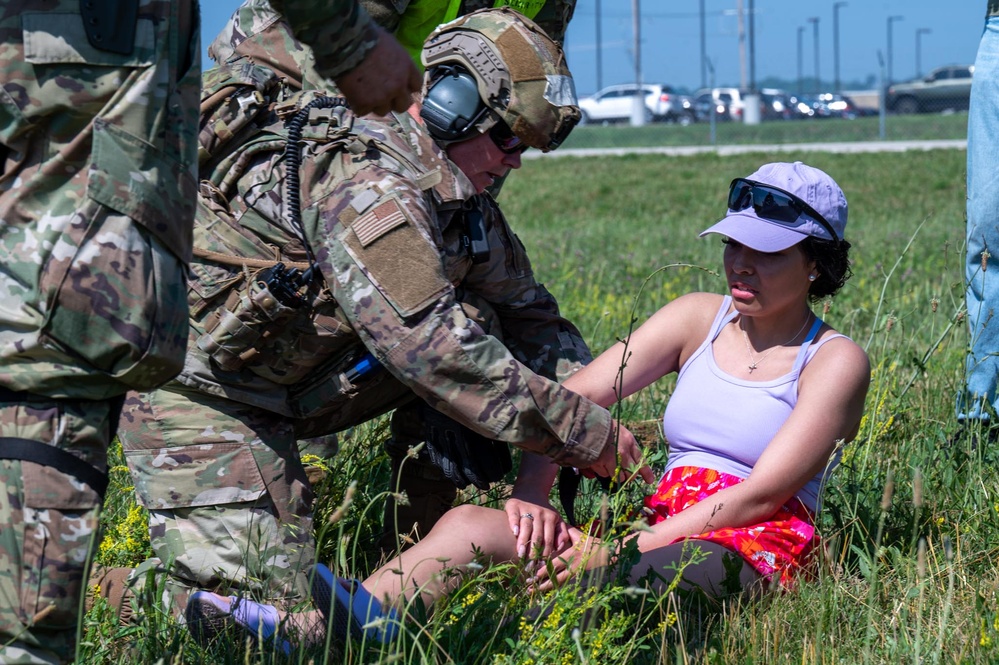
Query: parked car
column 614, row 104
column 833, row 105
column 704, row 104
column 777, row 104
column 943, row 88
column 731, row 99
column 691, row 113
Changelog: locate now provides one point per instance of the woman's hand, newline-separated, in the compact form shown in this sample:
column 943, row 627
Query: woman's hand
column 538, row 527
column 585, row 553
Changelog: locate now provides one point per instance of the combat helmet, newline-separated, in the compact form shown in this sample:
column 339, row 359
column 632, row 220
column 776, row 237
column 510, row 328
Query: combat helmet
column 496, row 65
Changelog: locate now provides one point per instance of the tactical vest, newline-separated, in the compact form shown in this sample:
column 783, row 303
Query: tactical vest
column 291, row 347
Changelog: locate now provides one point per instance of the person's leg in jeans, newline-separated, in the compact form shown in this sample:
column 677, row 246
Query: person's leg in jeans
column 982, row 270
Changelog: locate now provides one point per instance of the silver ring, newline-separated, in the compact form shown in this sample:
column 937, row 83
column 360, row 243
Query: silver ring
column 527, row 516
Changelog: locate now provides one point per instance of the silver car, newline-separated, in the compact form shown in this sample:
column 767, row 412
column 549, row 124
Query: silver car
column 614, row 104
column 944, row 88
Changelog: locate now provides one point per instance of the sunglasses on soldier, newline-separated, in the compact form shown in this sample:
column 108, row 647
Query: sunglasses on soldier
column 504, row 138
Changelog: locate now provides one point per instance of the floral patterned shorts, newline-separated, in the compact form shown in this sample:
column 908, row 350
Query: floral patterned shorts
column 778, row 548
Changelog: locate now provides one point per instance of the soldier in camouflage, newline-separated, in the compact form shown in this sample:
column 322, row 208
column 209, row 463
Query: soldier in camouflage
column 256, row 32
column 98, row 121
column 303, row 328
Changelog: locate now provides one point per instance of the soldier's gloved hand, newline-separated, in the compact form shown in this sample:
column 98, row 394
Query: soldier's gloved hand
column 384, row 80
column 462, row 455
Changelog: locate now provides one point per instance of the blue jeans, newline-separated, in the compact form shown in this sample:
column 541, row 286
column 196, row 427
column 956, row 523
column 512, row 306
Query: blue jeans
column 982, row 269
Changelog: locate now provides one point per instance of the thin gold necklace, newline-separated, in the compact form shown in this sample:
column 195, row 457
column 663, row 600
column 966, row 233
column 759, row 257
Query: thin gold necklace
column 753, row 362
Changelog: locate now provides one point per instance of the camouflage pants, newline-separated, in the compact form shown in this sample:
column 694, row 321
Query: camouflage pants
column 49, row 529
column 229, row 502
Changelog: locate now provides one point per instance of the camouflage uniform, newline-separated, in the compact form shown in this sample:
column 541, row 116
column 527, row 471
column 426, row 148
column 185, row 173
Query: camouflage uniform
column 98, row 119
column 256, row 30
column 256, row 33
column 384, row 211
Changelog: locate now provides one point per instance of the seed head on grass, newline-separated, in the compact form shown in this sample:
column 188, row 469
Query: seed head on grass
column 348, row 498
column 917, row 489
column 889, row 492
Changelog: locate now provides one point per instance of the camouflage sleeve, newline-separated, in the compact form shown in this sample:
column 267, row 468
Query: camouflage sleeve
column 533, row 328
column 382, row 256
column 340, row 32
column 554, row 18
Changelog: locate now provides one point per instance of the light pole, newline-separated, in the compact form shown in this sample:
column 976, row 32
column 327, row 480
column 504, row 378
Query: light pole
column 638, row 110
column 752, row 49
column 919, row 46
column 815, row 31
column 891, row 19
column 836, row 6
column 600, row 78
column 801, row 85
column 704, row 52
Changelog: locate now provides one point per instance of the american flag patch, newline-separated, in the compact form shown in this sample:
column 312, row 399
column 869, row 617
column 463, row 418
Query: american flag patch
column 372, row 225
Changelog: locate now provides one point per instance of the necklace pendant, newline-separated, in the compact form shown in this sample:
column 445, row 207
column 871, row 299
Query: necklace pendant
column 752, row 367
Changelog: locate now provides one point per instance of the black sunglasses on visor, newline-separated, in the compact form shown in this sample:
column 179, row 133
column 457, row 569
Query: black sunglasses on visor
column 773, row 204
column 505, row 139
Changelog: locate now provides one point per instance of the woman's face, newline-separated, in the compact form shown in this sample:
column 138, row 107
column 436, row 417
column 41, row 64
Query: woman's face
column 767, row 283
column 481, row 160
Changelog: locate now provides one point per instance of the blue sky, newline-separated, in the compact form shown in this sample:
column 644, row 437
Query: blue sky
column 670, row 44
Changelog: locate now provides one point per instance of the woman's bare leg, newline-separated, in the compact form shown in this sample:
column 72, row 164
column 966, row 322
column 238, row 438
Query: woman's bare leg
column 448, row 545
column 715, row 569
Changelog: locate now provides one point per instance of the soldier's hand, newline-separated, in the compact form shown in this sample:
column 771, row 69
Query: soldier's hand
column 384, row 81
column 630, row 454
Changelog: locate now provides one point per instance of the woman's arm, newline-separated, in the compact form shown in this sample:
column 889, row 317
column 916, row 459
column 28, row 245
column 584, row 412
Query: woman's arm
column 655, row 349
column 658, row 347
column 831, row 394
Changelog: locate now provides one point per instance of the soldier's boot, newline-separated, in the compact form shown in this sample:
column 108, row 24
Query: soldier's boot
column 428, row 496
column 114, row 585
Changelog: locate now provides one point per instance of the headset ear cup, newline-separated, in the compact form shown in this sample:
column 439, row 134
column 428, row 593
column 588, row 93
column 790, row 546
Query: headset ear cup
column 452, row 105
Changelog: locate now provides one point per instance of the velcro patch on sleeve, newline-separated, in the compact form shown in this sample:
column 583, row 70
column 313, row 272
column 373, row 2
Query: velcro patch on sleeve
column 378, row 221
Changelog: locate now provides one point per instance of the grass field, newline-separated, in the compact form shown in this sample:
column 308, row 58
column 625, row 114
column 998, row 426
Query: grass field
column 910, row 518
column 897, row 128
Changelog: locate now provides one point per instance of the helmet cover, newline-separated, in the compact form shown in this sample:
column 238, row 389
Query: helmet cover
column 520, row 72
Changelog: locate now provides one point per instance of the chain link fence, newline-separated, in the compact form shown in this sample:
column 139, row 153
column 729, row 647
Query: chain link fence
column 933, row 107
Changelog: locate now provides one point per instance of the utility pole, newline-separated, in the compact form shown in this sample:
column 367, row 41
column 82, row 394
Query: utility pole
column 752, row 47
column 638, row 102
column 600, row 77
column 815, row 32
column 704, row 50
column 801, row 84
column 836, row 5
column 741, row 18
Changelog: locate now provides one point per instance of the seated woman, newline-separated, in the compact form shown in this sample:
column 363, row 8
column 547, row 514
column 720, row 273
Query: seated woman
column 765, row 394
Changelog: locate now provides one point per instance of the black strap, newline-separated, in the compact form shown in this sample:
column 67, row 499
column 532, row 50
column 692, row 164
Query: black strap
column 568, row 487
column 60, row 460
column 8, row 395
column 110, row 24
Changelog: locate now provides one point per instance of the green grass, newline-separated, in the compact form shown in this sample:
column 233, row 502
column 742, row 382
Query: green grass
column 897, row 128
column 910, row 522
